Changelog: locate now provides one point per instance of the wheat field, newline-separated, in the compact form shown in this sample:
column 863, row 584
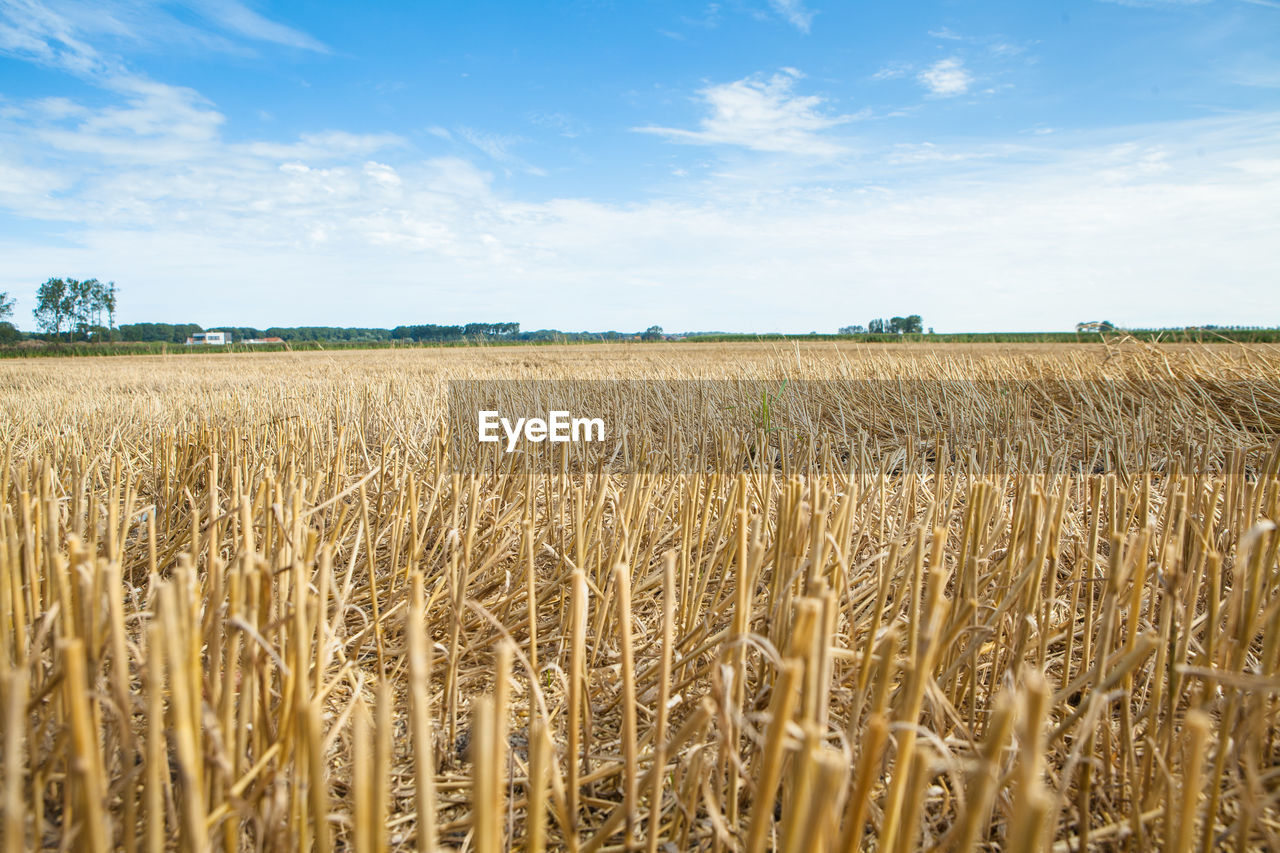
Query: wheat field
column 248, row 603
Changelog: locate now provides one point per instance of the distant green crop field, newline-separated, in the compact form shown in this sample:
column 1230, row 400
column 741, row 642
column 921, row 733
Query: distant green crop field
column 44, row 349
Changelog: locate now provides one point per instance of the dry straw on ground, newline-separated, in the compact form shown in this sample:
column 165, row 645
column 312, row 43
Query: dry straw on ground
column 246, row 604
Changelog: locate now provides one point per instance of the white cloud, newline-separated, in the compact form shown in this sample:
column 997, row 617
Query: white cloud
column 154, row 110
column 762, row 115
column 794, row 12
column 946, row 77
column 382, row 174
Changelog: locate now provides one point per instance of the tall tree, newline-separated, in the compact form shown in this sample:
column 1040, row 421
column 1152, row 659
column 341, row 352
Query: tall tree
column 53, row 306
column 6, row 305
column 82, row 295
column 95, row 297
column 107, row 301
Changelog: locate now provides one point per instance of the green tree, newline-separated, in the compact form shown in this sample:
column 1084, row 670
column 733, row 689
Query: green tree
column 912, row 324
column 54, row 307
column 81, row 294
column 8, row 334
column 104, row 299
column 653, row 333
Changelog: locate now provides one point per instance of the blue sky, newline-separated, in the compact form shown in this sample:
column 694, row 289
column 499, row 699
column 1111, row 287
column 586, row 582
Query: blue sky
column 747, row 165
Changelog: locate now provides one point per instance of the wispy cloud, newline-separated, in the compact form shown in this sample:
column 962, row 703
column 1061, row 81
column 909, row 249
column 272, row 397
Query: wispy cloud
column 1256, row 71
column 561, row 123
column 61, row 33
column 795, row 13
column 762, row 114
column 35, row 32
column 498, row 147
column 946, row 78
column 992, row 46
column 893, row 71
column 708, row 20
column 241, row 20
column 325, row 146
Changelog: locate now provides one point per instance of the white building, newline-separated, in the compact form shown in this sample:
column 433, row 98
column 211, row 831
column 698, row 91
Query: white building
column 207, row 339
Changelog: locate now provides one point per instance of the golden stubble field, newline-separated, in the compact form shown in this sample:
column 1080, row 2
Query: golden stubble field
column 246, row 603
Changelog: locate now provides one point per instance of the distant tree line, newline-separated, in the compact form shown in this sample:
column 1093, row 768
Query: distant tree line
column 557, row 336
column 471, row 331
column 419, row 333
column 179, row 332
column 173, row 333
column 912, row 324
column 1108, row 326
column 291, row 334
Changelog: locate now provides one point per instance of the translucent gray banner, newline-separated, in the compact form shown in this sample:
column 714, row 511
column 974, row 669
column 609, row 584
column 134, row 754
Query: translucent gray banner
column 1067, row 426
